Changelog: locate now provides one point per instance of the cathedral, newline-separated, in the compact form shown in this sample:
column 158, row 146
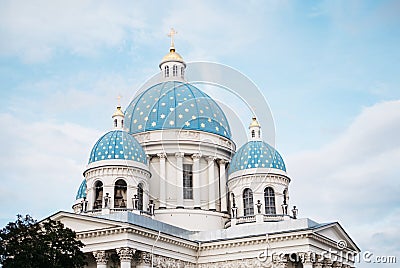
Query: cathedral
column 167, row 187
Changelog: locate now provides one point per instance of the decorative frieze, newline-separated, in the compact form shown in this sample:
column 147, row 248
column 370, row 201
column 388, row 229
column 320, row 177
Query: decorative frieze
column 163, row 262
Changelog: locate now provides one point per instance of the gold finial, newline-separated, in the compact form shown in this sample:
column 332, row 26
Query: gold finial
column 171, row 34
column 118, row 112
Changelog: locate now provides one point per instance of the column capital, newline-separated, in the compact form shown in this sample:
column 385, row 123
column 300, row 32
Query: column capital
column 101, row 256
column 318, row 264
column 327, row 263
column 179, row 155
column 210, row 158
column 162, row 155
column 337, row 264
column 196, row 156
column 222, row 161
column 126, row 253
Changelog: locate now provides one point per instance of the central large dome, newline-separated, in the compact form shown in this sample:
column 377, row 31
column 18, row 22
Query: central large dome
column 175, row 105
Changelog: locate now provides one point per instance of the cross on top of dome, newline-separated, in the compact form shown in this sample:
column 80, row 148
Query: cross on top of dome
column 172, row 65
column 171, row 34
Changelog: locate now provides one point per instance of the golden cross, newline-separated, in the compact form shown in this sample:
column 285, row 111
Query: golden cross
column 253, row 110
column 171, row 34
column 119, row 100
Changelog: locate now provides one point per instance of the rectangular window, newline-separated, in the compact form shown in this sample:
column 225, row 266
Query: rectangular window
column 187, row 181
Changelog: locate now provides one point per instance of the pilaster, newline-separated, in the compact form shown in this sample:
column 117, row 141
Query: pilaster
column 211, row 184
column 196, row 180
column 163, row 189
column 179, row 180
column 223, row 187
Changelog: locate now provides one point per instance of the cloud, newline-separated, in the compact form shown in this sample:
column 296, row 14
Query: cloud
column 354, row 179
column 42, row 164
column 34, row 30
column 206, row 25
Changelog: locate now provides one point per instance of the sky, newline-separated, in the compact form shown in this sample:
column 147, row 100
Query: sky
column 328, row 69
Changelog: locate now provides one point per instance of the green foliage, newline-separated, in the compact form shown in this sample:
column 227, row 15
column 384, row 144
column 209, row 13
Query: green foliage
column 29, row 244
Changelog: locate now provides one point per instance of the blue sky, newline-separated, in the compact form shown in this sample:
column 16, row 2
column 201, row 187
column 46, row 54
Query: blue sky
column 329, row 70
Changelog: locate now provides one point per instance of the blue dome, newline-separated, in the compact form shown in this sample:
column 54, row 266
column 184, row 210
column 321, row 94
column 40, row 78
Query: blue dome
column 81, row 191
column 117, row 144
column 175, row 105
column 256, row 154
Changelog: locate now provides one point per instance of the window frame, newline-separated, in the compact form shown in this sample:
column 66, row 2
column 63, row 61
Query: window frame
column 187, row 181
column 269, row 200
column 248, row 202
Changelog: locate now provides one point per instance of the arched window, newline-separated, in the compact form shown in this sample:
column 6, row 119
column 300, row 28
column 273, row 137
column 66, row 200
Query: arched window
column 182, row 71
column 175, row 70
column 248, row 205
column 166, row 70
column 115, row 123
column 253, row 133
column 122, row 123
column 269, row 198
column 140, row 196
column 120, row 194
column 98, row 201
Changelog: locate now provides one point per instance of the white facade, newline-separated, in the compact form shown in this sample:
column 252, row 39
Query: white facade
column 185, row 196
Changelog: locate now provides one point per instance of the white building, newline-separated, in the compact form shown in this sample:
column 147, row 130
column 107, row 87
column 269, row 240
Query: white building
column 167, row 187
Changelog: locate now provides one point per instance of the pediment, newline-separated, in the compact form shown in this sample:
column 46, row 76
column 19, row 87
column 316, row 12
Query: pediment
column 83, row 223
column 336, row 233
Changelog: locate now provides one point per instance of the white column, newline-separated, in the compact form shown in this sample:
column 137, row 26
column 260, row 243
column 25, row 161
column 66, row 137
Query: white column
column 125, row 256
column 90, row 197
column 196, row 180
column 179, row 180
column 163, row 189
column 101, row 258
column 146, row 197
column 222, row 187
column 211, row 184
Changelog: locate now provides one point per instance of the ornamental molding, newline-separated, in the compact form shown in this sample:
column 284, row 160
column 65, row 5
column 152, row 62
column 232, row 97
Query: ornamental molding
column 276, row 262
column 243, row 263
column 327, row 241
column 189, row 134
column 251, row 179
column 117, row 171
column 142, row 137
column 137, row 231
column 261, row 240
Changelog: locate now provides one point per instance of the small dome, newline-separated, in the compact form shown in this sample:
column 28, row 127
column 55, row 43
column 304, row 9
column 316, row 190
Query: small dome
column 117, row 144
column 172, row 56
column 256, row 154
column 254, row 123
column 176, row 105
column 118, row 112
column 81, row 191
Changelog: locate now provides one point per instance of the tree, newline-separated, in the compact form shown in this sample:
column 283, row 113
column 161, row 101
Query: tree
column 30, row 244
